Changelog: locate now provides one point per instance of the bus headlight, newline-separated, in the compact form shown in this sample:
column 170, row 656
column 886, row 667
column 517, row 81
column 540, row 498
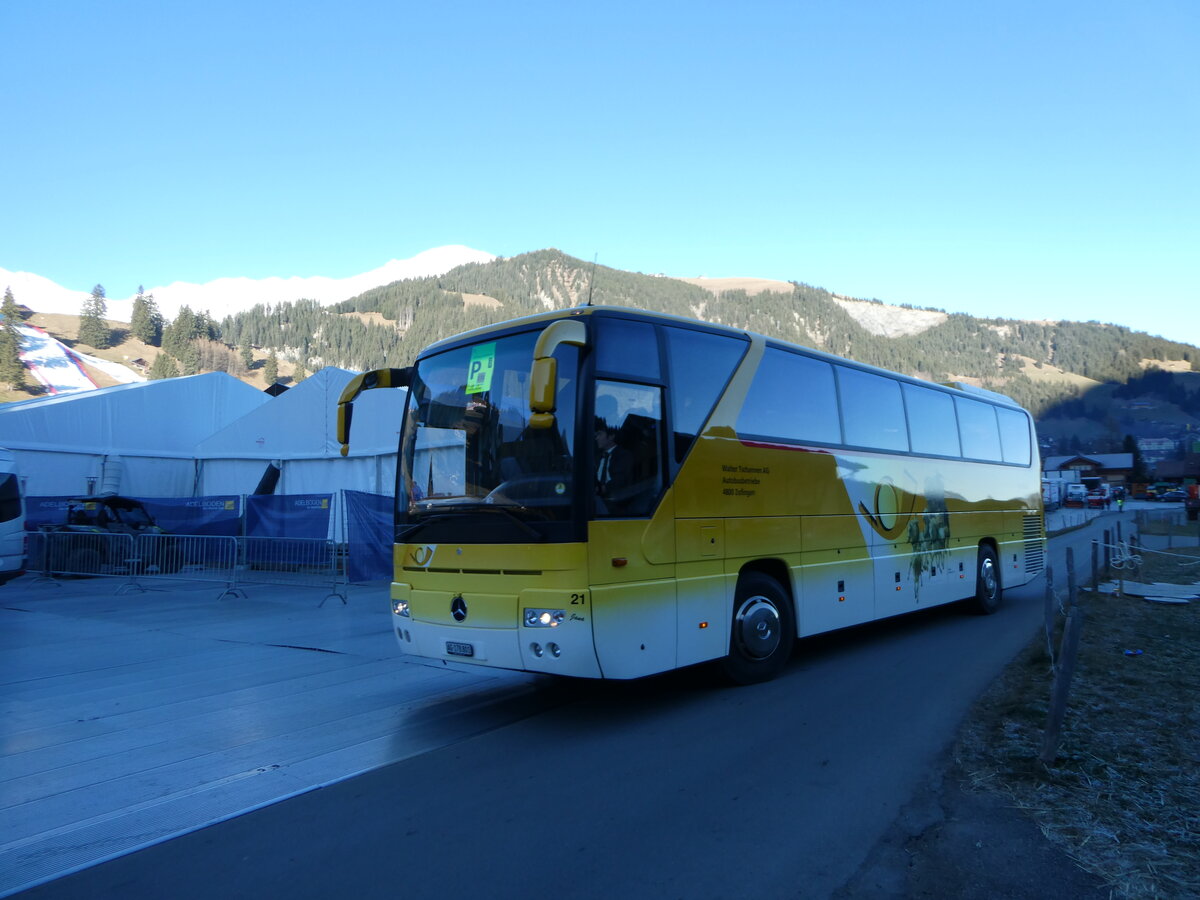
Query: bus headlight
column 544, row 618
column 400, row 608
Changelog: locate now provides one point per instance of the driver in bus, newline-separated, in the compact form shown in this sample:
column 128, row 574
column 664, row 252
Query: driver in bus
column 614, row 468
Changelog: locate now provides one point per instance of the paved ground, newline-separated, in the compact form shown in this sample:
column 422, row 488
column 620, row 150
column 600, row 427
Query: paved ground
column 128, row 717
column 954, row 842
column 86, row 803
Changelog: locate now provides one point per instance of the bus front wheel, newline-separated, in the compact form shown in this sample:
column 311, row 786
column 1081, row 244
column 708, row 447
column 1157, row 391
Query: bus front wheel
column 987, row 583
column 763, row 630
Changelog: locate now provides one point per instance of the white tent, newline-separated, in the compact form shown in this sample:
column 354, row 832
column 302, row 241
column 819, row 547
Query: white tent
column 297, row 432
column 136, row 439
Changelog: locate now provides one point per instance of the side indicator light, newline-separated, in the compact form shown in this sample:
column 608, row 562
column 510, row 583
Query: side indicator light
column 841, row 599
column 703, row 624
column 619, row 562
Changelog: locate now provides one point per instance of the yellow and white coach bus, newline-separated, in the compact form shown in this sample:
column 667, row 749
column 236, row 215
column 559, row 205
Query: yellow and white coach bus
column 608, row 493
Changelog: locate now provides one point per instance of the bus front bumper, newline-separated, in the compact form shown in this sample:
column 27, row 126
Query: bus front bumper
column 565, row 648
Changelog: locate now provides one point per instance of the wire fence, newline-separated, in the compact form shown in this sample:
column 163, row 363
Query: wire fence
column 1168, row 528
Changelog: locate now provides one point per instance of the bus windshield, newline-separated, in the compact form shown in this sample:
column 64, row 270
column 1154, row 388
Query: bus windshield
column 467, row 445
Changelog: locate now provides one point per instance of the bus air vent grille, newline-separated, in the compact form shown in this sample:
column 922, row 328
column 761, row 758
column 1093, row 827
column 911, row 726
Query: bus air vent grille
column 1035, row 548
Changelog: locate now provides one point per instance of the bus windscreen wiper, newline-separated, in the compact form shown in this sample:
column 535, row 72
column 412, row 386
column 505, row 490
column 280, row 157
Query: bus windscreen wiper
column 406, row 533
column 507, row 509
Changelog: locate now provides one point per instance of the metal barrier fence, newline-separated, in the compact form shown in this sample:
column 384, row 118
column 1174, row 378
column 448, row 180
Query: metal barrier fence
column 1166, row 529
column 1166, row 516
column 231, row 561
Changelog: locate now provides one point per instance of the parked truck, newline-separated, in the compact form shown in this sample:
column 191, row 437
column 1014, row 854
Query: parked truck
column 1099, row 496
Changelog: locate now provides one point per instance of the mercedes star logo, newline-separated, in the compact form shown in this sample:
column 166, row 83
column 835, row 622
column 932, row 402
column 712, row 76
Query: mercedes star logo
column 458, row 608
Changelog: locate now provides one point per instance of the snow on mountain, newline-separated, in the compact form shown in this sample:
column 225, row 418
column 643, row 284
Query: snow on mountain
column 226, row 296
column 890, row 321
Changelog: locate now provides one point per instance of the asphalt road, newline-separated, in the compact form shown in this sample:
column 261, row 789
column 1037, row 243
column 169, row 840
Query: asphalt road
column 675, row 786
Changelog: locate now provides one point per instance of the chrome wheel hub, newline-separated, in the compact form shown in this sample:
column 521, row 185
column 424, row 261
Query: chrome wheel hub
column 757, row 628
column 987, row 575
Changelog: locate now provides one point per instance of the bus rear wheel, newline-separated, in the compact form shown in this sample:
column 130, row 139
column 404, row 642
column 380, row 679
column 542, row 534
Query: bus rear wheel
column 762, row 633
column 987, row 583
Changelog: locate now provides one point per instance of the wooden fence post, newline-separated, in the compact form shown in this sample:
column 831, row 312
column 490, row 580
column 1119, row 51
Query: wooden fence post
column 1071, row 571
column 1068, row 653
column 1051, row 614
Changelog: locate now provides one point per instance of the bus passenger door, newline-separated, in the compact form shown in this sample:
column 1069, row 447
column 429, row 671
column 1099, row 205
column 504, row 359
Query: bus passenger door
column 631, row 538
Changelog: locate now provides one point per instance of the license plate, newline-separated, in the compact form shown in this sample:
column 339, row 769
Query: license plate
column 457, row 648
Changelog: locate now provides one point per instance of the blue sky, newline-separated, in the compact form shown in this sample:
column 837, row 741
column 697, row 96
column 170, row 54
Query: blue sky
column 1032, row 160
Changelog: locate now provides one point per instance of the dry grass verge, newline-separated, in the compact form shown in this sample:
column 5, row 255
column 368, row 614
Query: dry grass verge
column 1123, row 797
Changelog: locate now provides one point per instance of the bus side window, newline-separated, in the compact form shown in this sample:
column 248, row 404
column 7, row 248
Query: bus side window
column 792, row 399
column 978, row 429
column 1014, row 436
column 931, row 423
column 628, row 462
column 627, row 348
column 872, row 410
column 701, row 364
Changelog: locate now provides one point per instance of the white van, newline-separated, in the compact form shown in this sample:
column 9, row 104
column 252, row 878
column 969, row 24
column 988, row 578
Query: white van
column 12, row 520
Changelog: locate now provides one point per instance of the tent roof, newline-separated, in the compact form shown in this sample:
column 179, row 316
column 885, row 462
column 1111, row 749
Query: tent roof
column 302, row 423
column 168, row 417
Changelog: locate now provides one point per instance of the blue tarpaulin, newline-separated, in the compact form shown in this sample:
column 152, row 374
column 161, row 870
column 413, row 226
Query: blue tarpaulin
column 188, row 515
column 197, row 515
column 369, row 536
column 45, row 511
column 288, row 515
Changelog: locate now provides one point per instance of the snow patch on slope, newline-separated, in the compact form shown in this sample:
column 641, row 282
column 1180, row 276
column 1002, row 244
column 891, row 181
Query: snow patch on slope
column 890, row 321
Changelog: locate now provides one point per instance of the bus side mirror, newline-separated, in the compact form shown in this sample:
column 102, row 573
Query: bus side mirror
column 345, row 414
column 543, row 376
column 542, row 379
column 379, row 378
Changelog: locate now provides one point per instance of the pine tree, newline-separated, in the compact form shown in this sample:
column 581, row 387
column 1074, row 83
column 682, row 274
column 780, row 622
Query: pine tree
column 9, row 310
column 191, row 358
column 177, row 335
column 246, row 355
column 12, row 370
column 146, row 322
column 163, row 367
column 93, row 330
column 271, row 369
column 1138, row 472
column 300, row 372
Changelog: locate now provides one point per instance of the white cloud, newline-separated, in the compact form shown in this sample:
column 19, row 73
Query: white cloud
column 226, row 296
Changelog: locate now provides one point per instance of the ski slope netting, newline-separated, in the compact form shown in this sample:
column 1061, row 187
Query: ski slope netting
column 60, row 368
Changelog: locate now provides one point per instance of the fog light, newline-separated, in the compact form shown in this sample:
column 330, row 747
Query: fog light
column 536, row 649
column 555, row 650
column 400, row 608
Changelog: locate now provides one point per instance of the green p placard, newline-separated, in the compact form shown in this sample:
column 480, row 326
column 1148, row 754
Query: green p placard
column 479, row 372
